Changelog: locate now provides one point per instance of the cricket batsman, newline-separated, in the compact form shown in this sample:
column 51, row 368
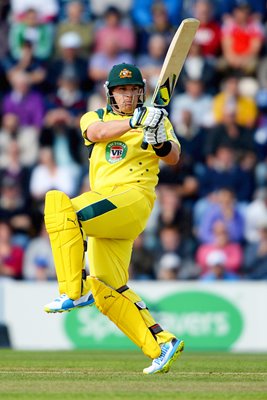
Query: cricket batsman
column 106, row 220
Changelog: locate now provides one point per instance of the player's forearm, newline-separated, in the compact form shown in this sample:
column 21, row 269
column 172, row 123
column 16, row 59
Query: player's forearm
column 103, row 131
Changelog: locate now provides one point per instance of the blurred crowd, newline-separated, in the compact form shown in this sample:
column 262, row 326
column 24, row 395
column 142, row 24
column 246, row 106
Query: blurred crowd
column 210, row 219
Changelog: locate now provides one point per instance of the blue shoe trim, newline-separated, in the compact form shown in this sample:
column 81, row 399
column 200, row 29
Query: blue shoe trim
column 89, row 302
column 67, row 304
column 175, row 347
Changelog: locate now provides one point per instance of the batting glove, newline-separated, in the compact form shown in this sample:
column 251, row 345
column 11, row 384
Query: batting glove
column 147, row 117
column 155, row 136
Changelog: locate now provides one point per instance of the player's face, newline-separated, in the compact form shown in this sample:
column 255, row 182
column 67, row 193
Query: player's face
column 126, row 97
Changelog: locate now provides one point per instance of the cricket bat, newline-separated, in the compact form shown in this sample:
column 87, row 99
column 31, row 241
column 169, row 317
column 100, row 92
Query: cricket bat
column 173, row 63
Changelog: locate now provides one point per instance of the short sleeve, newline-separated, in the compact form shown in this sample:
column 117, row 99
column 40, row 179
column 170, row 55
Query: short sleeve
column 86, row 120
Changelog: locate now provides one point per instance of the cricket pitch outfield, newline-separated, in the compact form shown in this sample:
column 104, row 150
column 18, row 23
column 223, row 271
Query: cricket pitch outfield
column 110, row 375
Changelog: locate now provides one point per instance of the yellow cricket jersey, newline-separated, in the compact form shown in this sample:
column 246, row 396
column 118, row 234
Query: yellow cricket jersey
column 122, row 161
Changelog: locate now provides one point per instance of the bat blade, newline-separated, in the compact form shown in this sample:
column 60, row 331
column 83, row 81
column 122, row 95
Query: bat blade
column 174, row 61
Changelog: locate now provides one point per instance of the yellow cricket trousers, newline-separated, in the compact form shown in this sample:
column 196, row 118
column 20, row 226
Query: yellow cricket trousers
column 112, row 220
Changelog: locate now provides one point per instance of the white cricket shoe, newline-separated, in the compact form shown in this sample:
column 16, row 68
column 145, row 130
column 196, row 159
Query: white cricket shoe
column 64, row 303
column 169, row 352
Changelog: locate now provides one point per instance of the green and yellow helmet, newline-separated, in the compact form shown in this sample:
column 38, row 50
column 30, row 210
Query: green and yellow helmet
column 124, row 74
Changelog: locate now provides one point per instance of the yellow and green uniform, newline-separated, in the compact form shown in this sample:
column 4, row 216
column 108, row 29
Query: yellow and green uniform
column 122, row 180
column 123, row 177
column 120, row 161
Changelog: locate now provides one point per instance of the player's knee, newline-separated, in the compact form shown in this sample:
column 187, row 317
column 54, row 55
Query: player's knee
column 59, row 213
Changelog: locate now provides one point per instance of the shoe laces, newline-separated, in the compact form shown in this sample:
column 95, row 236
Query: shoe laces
column 164, row 350
column 62, row 296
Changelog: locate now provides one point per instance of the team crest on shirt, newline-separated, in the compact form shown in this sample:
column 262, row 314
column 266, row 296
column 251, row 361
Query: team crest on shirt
column 115, row 151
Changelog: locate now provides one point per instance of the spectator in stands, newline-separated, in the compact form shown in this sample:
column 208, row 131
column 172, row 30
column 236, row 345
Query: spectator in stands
column 182, row 177
column 47, row 10
column 194, row 99
column 232, row 251
column 100, row 63
column 223, row 210
column 192, row 140
column 230, row 100
column 68, row 98
column 65, row 140
column 255, row 260
column 38, row 261
column 11, row 256
column 217, row 271
column 222, row 170
column 98, row 8
column 256, row 215
column 14, row 169
column 14, row 193
column 172, row 242
column 30, row 29
column 151, row 62
column 47, row 175
column 26, row 138
column 198, row 67
column 168, row 267
column 68, row 62
column 141, row 11
column 114, row 27
column 229, row 133
column 34, row 68
column 173, row 212
column 14, row 208
column 23, row 101
column 63, row 8
column 224, row 8
column 142, row 261
column 160, row 24
column 242, row 40
column 208, row 35
column 75, row 22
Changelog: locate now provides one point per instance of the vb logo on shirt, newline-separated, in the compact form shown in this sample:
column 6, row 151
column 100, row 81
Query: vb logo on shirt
column 115, row 151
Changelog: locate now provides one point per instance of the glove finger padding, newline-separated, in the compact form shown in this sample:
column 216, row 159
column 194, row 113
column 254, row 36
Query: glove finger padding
column 147, row 117
column 156, row 136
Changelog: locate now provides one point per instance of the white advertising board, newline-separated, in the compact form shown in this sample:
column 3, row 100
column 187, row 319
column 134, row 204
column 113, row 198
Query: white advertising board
column 209, row 316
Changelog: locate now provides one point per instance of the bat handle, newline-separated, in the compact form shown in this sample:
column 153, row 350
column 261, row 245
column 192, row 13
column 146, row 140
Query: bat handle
column 144, row 145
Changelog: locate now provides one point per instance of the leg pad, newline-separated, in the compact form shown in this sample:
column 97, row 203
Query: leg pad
column 66, row 241
column 126, row 315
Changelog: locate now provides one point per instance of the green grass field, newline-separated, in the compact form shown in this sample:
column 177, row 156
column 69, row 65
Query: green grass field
column 118, row 375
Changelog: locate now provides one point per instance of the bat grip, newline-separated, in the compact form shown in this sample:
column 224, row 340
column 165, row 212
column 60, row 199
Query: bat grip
column 144, row 145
